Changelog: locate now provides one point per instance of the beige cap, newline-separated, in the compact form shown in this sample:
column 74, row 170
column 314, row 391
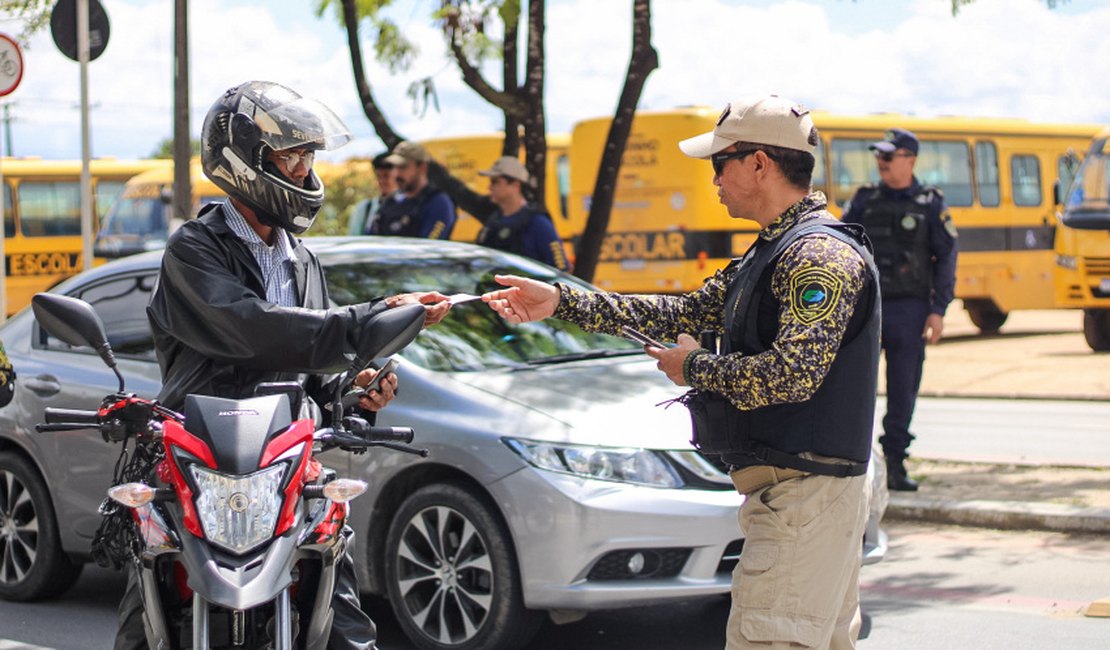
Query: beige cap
column 408, row 152
column 770, row 120
column 507, row 166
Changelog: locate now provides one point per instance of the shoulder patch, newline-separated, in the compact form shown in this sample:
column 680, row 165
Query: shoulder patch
column 949, row 225
column 814, row 293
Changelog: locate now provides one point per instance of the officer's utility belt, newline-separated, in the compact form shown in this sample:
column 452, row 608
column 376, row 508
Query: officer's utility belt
column 721, row 428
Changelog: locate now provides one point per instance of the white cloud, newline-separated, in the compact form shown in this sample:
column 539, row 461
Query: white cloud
column 997, row 58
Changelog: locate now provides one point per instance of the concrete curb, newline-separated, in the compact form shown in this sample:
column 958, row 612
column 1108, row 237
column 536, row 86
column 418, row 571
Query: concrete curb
column 1000, row 514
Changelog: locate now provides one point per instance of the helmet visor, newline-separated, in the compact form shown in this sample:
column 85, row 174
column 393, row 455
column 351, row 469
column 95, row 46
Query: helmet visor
column 303, row 123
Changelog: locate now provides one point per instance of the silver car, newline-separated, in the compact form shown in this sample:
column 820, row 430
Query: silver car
column 558, row 480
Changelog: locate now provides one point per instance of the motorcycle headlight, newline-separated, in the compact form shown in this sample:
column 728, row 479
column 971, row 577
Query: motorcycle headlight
column 238, row 512
column 626, row 465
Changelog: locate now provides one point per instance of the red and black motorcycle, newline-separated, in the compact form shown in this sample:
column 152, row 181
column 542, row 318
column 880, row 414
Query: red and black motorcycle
column 234, row 526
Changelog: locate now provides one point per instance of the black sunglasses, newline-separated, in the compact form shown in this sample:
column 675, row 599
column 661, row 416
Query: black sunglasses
column 719, row 159
column 888, row 157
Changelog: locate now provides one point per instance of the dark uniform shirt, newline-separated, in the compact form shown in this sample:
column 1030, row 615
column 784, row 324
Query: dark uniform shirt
column 942, row 234
column 803, row 350
column 537, row 237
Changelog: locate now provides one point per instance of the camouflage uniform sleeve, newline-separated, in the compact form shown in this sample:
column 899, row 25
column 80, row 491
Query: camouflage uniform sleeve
column 817, row 282
column 661, row 317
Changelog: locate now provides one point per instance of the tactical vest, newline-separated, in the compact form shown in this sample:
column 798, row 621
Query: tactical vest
column 899, row 233
column 402, row 218
column 837, row 421
column 496, row 233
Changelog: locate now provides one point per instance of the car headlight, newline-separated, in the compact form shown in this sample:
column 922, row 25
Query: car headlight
column 1069, row 262
column 626, row 465
column 238, row 512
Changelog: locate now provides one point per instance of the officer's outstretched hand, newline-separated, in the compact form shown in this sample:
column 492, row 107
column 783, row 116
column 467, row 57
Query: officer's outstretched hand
column 934, row 325
column 524, row 301
column 436, row 305
column 671, row 359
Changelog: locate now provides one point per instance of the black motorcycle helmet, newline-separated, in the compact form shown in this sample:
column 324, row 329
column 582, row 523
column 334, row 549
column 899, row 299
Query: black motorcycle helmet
column 244, row 125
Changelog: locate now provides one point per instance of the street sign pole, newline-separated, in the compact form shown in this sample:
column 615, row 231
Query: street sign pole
column 86, row 181
column 11, row 73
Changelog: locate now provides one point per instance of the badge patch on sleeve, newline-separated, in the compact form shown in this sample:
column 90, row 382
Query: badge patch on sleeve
column 814, row 293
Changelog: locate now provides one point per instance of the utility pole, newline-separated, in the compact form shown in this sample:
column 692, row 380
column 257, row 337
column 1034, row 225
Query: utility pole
column 182, row 149
column 8, row 129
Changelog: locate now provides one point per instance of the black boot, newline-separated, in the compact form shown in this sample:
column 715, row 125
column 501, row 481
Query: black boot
column 896, row 477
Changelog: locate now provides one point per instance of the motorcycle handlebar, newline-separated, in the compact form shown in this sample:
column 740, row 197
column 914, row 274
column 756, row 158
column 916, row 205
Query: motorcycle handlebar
column 370, row 433
column 54, row 415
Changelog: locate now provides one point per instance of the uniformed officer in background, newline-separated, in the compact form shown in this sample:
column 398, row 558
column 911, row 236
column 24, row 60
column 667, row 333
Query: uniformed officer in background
column 517, row 226
column 791, row 392
column 426, row 211
column 915, row 250
column 365, row 212
column 7, row 377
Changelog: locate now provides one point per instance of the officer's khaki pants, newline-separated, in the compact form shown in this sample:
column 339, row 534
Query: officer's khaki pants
column 797, row 582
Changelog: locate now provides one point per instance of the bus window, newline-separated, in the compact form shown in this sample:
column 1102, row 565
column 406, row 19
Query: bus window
column 562, row 177
column 106, row 192
column 1025, row 172
column 819, row 167
column 1066, row 166
column 986, row 174
column 9, row 214
column 49, row 208
column 852, row 165
column 948, row 166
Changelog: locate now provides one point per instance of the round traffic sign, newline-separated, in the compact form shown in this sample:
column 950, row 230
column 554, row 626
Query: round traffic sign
column 11, row 65
column 63, row 27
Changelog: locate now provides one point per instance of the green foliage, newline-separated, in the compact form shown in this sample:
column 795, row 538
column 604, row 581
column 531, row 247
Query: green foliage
column 165, row 148
column 390, row 45
column 32, row 14
column 342, row 192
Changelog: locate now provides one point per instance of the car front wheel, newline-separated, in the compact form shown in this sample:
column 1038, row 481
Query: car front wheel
column 452, row 574
column 32, row 563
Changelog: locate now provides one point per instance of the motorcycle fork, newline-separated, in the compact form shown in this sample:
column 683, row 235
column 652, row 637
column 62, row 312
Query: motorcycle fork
column 283, row 623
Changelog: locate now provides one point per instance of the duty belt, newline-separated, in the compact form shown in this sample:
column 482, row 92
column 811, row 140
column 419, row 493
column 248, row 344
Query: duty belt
column 757, row 477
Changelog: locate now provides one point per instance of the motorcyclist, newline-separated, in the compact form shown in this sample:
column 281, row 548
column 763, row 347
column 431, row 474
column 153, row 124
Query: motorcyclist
column 240, row 300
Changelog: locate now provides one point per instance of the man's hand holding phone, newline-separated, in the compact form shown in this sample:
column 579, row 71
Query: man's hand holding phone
column 377, row 392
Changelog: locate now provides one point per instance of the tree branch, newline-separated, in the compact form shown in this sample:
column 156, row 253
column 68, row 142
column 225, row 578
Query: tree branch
column 644, row 59
column 369, row 105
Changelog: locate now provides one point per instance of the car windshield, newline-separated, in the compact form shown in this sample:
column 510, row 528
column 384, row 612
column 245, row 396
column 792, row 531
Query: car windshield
column 472, row 337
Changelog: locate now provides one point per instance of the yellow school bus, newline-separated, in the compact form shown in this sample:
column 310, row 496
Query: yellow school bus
column 142, row 217
column 465, row 156
column 1083, row 245
column 668, row 231
column 42, row 218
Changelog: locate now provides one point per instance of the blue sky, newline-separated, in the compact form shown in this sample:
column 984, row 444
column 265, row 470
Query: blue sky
column 1012, row 58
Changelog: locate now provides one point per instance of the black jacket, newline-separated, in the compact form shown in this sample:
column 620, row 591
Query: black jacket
column 216, row 334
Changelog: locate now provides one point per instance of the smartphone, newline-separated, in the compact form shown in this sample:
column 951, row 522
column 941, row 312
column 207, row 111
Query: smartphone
column 640, row 337
column 352, row 396
column 375, row 383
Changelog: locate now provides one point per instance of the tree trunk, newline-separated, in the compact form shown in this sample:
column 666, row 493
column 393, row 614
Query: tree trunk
column 369, row 105
column 535, row 126
column 644, row 59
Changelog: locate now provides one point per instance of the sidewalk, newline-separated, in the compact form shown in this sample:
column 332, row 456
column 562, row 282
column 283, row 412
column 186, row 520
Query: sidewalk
column 1037, row 355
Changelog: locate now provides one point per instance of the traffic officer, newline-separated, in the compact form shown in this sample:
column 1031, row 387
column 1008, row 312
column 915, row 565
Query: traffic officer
column 516, row 226
column 915, row 250
column 426, row 210
column 788, row 401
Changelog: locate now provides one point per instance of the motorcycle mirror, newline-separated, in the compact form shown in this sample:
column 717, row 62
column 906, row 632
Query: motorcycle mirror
column 387, row 332
column 75, row 322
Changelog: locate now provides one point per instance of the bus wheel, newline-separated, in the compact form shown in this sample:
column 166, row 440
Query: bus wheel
column 985, row 315
column 1096, row 329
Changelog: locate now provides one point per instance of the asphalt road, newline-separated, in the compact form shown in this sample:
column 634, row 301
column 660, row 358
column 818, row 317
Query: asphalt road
column 940, row 587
